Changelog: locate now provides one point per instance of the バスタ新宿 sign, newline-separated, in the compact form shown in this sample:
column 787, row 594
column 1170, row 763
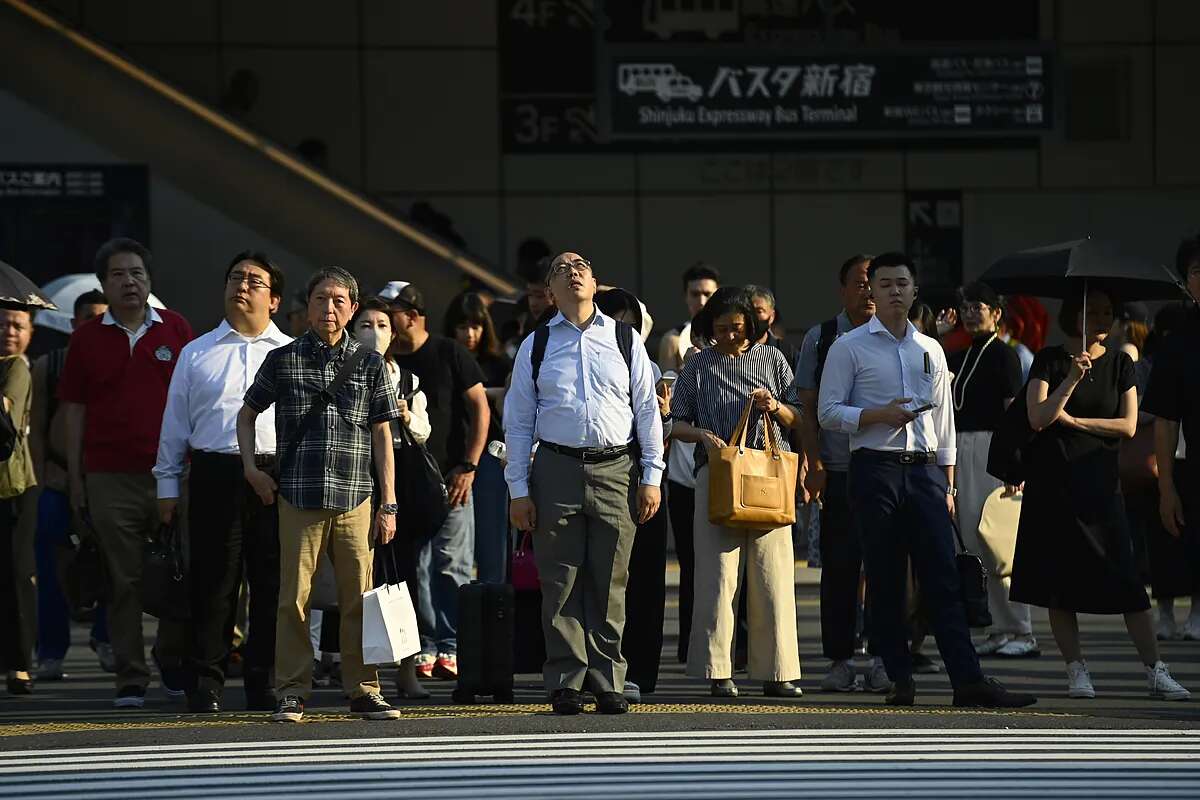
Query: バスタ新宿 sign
column 661, row 92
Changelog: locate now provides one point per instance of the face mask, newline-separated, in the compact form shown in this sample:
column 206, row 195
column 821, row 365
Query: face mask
column 375, row 338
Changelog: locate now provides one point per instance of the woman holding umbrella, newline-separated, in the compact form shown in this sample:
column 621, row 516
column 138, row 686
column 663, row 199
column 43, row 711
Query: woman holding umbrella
column 1074, row 551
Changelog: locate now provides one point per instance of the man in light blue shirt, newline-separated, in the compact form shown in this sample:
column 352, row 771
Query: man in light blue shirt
column 888, row 386
column 583, row 390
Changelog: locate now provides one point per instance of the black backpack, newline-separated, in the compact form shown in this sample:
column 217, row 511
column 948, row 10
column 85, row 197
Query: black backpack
column 541, row 337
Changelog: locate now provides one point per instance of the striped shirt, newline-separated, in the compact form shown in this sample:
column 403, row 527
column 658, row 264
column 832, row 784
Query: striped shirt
column 712, row 391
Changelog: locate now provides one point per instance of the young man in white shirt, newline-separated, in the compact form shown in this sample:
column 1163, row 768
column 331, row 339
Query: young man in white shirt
column 232, row 528
column 593, row 410
column 888, row 386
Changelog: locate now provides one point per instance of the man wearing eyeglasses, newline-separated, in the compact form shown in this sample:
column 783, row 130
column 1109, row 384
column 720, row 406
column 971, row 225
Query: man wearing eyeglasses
column 588, row 399
column 235, row 530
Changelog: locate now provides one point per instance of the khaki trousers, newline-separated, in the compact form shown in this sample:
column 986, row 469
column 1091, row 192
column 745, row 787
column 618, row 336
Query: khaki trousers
column 770, row 583
column 303, row 536
column 582, row 543
column 974, row 485
column 124, row 510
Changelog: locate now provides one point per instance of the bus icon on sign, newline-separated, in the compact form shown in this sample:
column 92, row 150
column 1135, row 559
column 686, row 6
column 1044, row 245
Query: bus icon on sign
column 662, row 80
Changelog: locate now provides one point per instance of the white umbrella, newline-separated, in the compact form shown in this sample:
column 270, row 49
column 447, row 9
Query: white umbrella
column 63, row 291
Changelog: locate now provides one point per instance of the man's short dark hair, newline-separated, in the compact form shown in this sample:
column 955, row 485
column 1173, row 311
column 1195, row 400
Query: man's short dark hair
column 726, row 300
column 893, row 259
column 336, row 274
column 92, row 297
column 1187, row 255
column 115, row 247
column 701, row 271
column 764, row 292
column 849, row 264
column 260, row 259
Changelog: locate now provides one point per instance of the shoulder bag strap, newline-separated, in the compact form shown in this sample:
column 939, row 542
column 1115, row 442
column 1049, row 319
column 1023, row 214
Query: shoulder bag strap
column 321, row 401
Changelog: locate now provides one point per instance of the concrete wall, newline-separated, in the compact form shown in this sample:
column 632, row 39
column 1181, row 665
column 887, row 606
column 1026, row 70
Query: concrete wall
column 405, row 95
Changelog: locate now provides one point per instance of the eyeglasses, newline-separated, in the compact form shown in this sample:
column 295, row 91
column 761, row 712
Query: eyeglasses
column 974, row 308
column 582, row 265
column 253, row 281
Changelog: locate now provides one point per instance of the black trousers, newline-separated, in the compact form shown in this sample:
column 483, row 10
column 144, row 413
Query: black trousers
column 841, row 567
column 232, row 533
column 900, row 510
column 645, row 603
column 18, row 608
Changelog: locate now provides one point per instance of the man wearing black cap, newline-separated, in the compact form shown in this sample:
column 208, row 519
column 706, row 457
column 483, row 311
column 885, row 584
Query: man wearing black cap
column 459, row 415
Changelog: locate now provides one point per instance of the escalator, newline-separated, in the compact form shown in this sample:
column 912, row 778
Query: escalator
column 97, row 91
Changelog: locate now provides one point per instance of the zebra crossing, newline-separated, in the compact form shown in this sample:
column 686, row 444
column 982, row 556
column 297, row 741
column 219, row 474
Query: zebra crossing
column 856, row 763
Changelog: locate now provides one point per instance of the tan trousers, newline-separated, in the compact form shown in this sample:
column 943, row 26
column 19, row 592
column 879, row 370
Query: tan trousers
column 124, row 510
column 974, row 485
column 303, row 536
column 770, row 600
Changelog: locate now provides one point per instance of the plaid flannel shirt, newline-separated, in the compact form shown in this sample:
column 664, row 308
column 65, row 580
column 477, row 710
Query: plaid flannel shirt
column 332, row 467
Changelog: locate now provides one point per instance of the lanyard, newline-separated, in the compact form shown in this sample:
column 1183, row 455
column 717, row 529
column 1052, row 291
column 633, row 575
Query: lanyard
column 960, row 398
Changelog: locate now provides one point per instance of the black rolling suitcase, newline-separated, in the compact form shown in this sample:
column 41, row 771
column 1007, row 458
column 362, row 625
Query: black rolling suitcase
column 485, row 642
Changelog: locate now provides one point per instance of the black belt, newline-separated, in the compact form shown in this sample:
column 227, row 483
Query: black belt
column 588, row 455
column 917, row 457
column 204, row 456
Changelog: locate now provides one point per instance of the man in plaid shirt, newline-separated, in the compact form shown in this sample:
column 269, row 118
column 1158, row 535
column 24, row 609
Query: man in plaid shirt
column 325, row 489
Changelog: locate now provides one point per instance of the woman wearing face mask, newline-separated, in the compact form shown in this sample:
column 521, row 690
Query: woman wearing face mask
column 1074, row 550
column 373, row 327
column 987, row 376
column 709, row 397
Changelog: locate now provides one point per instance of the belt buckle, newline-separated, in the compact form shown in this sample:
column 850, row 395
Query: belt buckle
column 908, row 458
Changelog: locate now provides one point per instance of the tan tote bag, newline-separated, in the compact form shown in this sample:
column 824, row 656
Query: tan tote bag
column 998, row 529
column 750, row 488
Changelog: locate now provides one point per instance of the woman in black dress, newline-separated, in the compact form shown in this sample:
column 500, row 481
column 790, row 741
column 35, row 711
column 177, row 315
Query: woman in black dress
column 1074, row 551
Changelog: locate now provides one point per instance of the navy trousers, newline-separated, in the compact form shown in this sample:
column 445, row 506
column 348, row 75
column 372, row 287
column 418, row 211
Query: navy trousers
column 900, row 510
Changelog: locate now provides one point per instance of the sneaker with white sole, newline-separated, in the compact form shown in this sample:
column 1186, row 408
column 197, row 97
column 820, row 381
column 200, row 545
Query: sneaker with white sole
column 51, row 669
column 1166, row 629
column 632, row 692
column 105, row 656
column 290, row 709
column 1162, row 685
column 1021, row 647
column 1079, row 681
column 130, row 697
column 878, row 681
column 991, row 644
column 372, row 706
column 445, row 668
column 423, row 664
column 1191, row 630
column 841, row 678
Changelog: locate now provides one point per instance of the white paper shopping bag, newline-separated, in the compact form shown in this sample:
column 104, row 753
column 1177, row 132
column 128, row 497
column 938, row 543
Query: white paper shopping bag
column 389, row 631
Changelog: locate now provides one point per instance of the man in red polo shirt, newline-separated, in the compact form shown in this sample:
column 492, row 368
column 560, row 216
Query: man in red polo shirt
column 114, row 390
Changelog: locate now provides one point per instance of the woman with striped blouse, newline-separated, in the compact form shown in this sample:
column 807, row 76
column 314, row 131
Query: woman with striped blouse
column 709, row 397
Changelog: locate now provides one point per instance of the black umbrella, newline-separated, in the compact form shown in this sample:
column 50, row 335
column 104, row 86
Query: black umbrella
column 16, row 289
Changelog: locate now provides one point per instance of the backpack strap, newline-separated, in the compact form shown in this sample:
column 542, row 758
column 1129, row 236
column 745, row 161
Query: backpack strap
column 624, row 335
column 828, row 335
column 321, row 401
column 541, row 337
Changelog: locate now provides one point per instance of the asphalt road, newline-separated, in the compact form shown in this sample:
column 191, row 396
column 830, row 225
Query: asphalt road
column 77, row 712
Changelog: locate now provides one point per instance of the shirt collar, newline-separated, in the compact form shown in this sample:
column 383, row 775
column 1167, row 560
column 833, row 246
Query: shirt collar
column 272, row 333
column 342, row 346
column 152, row 317
column 558, row 319
column 875, row 326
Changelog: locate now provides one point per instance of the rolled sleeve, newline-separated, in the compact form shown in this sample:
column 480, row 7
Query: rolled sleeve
column 848, row 421
column 947, row 456
column 943, row 414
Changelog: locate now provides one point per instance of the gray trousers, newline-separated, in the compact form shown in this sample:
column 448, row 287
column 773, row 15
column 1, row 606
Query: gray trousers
column 584, row 535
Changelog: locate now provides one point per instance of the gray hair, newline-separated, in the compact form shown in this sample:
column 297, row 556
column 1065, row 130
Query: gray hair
column 336, row 274
column 761, row 291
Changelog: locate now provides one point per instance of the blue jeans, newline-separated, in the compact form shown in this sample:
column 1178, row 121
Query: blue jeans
column 54, row 617
column 444, row 563
column 491, row 520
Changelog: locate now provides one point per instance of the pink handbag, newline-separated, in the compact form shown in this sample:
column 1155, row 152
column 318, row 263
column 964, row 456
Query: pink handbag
column 523, row 571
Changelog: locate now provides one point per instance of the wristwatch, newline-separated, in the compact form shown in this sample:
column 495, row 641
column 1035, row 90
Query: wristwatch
column 467, row 466
column 390, row 509
column 952, row 491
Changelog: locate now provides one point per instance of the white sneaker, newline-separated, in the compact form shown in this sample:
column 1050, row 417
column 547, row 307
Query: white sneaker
column 1079, row 682
column 841, row 678
column 1166, row 630
column 1023, row 647
column 1162, row 685
column 632, row 692
column 877, row 679
column 990, row 645
column 1191, row 630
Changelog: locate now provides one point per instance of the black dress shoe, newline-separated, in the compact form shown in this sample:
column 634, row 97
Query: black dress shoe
column 20, row 686
column 611, row 703
column 781, row 689
column 567, row 702
column 257, row 700
column 204, row 701
column 903, row 693
column 989, row 693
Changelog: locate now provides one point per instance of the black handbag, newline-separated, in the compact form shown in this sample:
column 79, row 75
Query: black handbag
column 164, row 576
column 972, row 584
column 420, row 490
column 1009, row 452
column 81, row 570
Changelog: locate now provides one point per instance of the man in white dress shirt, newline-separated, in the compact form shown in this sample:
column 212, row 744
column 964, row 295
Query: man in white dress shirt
column 232, row 529
column 583, row 389
column 887, row 386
